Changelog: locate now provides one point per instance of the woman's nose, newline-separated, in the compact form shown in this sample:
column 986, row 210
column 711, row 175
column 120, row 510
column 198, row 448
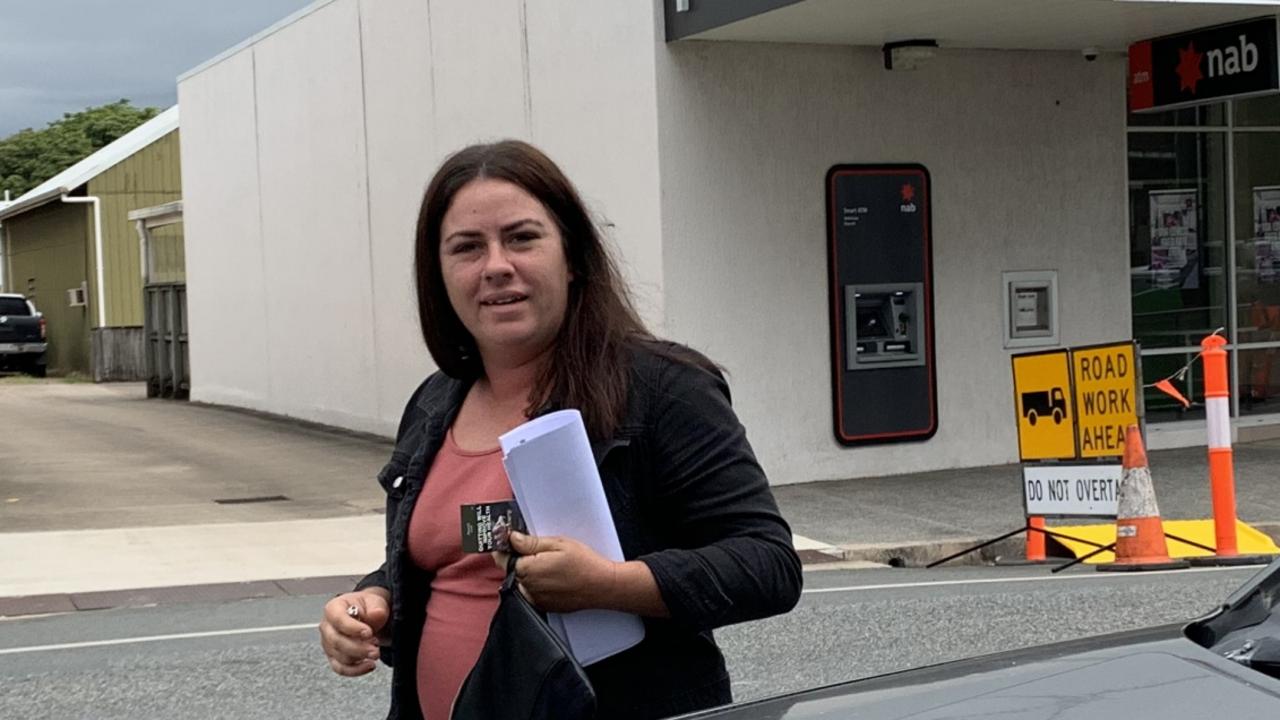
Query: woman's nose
column 497, row 265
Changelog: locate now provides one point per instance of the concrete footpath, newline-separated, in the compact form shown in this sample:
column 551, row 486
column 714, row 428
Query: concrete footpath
column 108, row 499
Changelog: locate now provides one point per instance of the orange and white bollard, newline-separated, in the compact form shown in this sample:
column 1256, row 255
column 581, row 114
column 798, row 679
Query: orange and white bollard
column 1222, row 474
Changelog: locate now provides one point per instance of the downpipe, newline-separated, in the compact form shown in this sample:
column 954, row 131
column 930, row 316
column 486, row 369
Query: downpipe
column 97, row 250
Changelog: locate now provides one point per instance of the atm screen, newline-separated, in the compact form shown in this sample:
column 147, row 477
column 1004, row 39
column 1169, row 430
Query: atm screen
column 872, row 322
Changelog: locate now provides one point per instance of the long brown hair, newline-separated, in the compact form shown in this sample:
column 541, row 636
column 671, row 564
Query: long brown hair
column 588, row 369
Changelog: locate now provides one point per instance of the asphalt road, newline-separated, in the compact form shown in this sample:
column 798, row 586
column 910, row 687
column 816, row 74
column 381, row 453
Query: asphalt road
column 260, row 659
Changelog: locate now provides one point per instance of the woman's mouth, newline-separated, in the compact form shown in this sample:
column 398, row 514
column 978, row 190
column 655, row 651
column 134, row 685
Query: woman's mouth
column 499, row 301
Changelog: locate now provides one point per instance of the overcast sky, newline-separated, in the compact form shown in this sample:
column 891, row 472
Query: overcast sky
column 59, row 56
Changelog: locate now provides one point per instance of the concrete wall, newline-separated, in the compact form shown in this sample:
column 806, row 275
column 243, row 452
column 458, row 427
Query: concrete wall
column 314, row 219
column 306, row 151
column 222, row 219
column 1027, row 157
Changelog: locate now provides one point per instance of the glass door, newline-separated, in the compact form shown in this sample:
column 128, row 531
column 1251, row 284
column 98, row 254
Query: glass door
column 1178, row 263
column 1256, row 159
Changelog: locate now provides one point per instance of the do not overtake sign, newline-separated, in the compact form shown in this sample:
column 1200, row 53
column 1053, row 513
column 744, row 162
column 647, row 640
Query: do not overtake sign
column 1071, row 490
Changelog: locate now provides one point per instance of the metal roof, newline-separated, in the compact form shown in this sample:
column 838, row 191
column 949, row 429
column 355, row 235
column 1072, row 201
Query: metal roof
column 96, row 164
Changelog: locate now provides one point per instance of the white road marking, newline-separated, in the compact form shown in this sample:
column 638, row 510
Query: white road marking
column 810, row 591
column 154, row 638
column 1037, row 578
column 801, row 542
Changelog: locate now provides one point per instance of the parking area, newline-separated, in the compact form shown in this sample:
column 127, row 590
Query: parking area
column 78, row 456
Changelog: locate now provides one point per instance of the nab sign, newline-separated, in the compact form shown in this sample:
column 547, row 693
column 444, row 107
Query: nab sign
column 1226, row 61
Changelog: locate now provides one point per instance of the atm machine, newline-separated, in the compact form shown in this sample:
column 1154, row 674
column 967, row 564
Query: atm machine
column 884, row 383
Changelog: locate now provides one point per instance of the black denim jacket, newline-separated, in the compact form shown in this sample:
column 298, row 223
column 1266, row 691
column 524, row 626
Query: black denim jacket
column 688, row 499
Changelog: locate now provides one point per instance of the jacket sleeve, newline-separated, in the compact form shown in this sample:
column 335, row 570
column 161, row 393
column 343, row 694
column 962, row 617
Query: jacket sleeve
column 409, row 421
column 732, row 558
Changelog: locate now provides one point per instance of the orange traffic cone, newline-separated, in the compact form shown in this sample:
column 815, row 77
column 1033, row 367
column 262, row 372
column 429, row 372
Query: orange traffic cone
column 1140, row 541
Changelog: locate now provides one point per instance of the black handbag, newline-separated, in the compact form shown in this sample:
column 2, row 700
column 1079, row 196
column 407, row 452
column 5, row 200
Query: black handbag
column 524, row 672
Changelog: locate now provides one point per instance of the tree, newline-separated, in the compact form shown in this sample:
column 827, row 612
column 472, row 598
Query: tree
column 29, row 157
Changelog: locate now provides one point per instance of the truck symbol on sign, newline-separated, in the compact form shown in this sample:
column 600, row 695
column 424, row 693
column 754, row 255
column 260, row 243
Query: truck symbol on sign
column 1044, row 403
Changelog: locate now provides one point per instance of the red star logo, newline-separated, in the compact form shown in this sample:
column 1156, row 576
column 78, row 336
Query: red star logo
column 1189, row 68
column 908, row 192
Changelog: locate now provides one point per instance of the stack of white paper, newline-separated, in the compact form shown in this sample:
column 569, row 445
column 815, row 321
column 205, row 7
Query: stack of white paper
column 557, row 486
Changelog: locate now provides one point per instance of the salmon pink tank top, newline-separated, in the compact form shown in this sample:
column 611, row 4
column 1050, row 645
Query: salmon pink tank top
column 464, row 587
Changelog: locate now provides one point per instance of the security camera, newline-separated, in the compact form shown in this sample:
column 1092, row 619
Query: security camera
column 1090, row 54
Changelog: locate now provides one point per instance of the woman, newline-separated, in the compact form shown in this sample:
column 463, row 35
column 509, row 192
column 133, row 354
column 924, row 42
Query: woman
column 524, row 312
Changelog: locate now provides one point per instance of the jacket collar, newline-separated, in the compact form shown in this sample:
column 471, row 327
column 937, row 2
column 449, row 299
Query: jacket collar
column 443, row 396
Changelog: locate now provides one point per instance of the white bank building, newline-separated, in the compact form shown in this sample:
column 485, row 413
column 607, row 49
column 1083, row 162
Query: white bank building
column 861, row 208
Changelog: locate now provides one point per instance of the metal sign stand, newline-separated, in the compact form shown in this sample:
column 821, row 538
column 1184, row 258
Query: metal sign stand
column 1028, row 527
column 1071, row 382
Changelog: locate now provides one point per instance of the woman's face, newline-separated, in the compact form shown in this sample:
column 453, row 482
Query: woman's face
column 504, row 269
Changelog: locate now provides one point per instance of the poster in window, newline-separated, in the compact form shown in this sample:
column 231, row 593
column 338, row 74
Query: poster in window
column 1175, row 244
column 1266, row 233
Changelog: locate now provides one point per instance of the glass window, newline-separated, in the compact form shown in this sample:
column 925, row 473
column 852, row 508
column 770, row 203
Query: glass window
column 1261, row 111
column 1177, row 249
column 1257, row 212
column 1184, row 282
column 1202, row 116
column 14, row 306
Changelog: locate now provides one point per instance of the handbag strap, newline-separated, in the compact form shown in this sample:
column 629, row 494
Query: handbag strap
column 509, row 582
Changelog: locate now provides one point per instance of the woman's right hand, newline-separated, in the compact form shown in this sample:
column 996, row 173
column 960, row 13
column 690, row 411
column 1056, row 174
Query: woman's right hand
column 350, row 637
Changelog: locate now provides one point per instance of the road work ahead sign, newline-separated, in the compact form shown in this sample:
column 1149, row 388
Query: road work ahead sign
column 1075, row 404
column 1106, row 385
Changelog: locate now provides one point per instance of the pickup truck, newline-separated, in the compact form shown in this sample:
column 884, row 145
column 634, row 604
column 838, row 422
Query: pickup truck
column 22, row 336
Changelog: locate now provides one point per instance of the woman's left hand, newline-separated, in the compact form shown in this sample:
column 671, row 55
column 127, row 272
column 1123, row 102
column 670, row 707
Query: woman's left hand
column 559, row 574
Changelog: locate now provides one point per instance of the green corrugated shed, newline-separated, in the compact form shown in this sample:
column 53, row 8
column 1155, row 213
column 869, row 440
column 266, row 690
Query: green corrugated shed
column 48, row 255
column 151, row 176
column 50, row 244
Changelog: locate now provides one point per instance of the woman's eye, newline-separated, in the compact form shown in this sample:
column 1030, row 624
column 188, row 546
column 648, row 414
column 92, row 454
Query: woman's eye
column 524, row 237
column 465, row 247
